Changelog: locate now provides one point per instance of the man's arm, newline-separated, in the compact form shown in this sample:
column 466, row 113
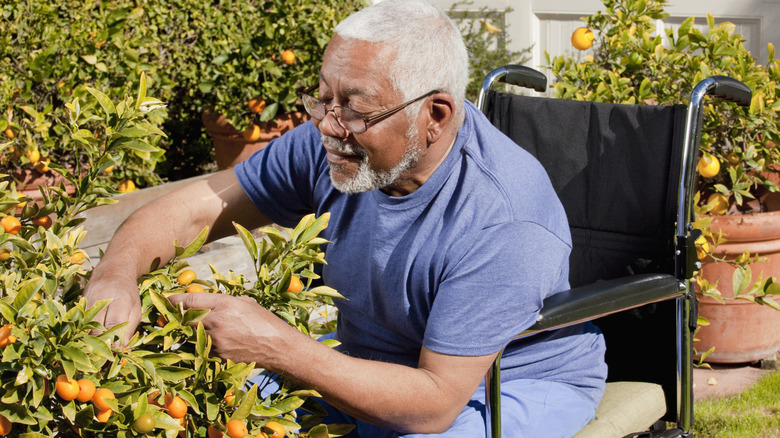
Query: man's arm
column 426, row 399
column 145, row 240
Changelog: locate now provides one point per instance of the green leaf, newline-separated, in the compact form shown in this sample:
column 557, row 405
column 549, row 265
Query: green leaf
column 194, row 315
column 90, row 313
column 78, row 357
column 103, row 100
column 314, row 229
column 242, row 412
column 288, row 404
column 141, row 90
column 174, row 374
column 269, row 112
column 741, row 279
column 248, row 239
column 319, row 431
column 201, row 341
column 27, row 291
column 771, row 303
column 193, row 246
column 160, row 359
column 98, row 347
column 326, row 292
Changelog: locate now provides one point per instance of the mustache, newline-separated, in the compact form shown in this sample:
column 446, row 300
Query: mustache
column 342, row 147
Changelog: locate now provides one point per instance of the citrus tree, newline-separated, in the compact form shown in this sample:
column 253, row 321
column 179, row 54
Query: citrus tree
column 63, row 374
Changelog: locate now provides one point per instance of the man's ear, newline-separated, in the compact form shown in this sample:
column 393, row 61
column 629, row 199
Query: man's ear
column 440, row 116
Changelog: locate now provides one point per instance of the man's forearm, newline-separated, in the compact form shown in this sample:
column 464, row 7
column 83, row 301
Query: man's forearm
column 397, row 397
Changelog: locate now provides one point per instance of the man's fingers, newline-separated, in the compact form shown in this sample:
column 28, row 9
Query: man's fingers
column 196, row 301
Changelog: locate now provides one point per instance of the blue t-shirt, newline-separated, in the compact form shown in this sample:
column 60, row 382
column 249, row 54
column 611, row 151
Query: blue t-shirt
column 459, row 266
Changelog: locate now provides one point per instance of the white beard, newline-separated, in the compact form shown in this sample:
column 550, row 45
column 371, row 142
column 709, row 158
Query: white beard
column 367, row 178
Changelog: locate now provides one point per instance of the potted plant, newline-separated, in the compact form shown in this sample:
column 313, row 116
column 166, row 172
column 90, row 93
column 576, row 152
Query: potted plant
column 61, row 379
column 633, row 62
column 49, row 52
column 246, row 63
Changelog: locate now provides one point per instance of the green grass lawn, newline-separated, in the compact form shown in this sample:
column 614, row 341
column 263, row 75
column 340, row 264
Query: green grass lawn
column 753, row 413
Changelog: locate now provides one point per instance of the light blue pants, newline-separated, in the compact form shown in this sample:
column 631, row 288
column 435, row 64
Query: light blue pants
column 530, row 408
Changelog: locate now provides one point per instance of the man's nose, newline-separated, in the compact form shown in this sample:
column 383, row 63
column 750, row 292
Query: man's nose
column 331, row 126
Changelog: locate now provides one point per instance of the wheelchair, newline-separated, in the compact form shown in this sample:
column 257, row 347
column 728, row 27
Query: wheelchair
column 625, row 175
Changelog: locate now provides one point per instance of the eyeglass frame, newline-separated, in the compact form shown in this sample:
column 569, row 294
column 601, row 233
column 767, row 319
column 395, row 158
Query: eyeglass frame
column 361, row 116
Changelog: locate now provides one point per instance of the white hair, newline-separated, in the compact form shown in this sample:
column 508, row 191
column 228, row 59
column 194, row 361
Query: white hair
column 428, row 49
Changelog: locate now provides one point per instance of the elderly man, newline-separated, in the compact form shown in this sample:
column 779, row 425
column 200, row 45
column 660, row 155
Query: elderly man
column 446, row 237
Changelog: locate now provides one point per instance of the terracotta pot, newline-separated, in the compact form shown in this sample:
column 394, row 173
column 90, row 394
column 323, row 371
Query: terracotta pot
column 741, row 331
column 29, row 180
column 230, row 146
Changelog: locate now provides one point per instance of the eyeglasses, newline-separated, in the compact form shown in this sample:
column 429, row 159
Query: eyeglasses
column 353, row 121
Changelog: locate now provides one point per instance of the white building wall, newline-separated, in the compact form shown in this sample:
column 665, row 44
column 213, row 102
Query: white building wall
column 547, row 25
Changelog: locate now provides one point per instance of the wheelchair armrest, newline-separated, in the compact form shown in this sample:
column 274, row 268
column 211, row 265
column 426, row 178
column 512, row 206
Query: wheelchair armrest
column 602, row 298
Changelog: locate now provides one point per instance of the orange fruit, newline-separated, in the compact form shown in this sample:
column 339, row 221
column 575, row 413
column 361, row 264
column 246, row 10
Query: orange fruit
column 186, row 277
column 153, row 397
column 9, row 340
column 5, row 426
column 261, row 435
column 236, row 429
column 708, row 166
column 256, row 105
column 195, row 288
column 67, row 389
column 10, row 133
column 161, row 321
column 288, row 56
column 274, row 429
column 86, row 390
column 295, row 284
column 175, row 406
column 582, row 38
column 43, row 165
column 720, row 203
column 702, row 247
column 34, row 155
column 5, row 336
column 5, row 331
column 213, row 432
column 252, row 133
column 11, row 224
column 5, row 254
column 78, row 258
column 43, row 221
column 100, row 396
column 144, row 424
column 230, row 397
column 126, row 186
column 103, row 415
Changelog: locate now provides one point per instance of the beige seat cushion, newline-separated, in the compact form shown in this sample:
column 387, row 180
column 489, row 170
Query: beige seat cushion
column 626, row 407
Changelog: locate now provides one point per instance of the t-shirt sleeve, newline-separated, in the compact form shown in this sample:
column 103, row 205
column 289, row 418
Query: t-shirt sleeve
column 283, row 179
column 495, row 290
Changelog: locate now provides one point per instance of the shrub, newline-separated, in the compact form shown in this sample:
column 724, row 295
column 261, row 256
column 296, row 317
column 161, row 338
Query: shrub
column 48, row 331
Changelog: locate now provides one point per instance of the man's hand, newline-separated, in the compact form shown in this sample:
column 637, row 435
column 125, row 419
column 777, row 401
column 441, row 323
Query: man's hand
column 241, row 330
column 426, row 399
column 125, row 304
